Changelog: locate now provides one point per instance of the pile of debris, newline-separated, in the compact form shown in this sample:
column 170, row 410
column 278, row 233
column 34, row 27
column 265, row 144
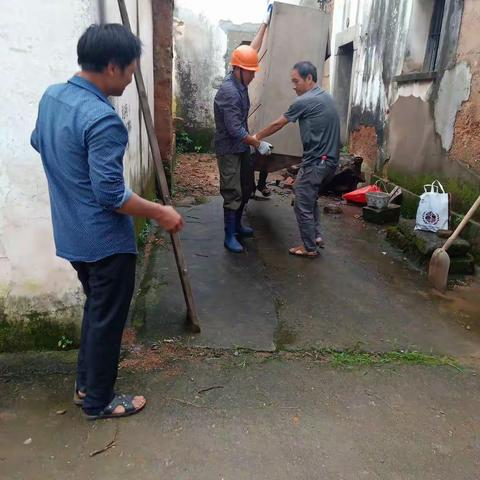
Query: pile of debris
column 347, row 177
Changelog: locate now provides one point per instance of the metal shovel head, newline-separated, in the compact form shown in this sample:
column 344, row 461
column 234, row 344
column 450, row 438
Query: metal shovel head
column 438, row 269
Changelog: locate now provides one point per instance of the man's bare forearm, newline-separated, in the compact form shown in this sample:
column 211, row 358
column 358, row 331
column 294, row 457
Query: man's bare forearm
column 166, row 216
column 274, row 127
column 137, row 206
column 256, row 43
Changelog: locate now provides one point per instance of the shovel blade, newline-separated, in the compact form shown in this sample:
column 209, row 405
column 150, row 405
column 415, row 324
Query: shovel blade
column 438, row 269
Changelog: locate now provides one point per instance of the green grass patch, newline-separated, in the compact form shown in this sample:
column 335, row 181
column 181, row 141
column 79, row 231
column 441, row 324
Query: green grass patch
column 350, row 359
column 144, row 233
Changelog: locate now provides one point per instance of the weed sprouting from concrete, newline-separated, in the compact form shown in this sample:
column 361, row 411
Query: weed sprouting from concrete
column 354, row 358
column 201, row 200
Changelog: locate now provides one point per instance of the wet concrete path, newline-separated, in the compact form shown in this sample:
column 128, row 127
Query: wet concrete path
column 359, row 294
column 235, row 304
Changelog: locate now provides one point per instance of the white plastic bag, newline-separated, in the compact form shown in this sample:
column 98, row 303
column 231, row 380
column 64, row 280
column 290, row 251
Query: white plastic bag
column 433, row 211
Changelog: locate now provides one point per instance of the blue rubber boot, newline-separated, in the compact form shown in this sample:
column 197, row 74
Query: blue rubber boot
column 239, row 228
column 231, row 243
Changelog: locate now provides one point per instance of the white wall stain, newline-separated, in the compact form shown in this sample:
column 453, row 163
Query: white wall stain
column 421, row 90
column 454, row 90
column 369, row 91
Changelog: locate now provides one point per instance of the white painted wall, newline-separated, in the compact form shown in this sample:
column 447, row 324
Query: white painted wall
column 38, row 48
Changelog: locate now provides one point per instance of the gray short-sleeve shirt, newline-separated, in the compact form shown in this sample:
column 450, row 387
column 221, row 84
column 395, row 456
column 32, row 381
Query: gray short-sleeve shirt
column 319, row 126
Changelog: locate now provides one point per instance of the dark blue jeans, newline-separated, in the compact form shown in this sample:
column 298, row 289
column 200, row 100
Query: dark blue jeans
column 108, row 285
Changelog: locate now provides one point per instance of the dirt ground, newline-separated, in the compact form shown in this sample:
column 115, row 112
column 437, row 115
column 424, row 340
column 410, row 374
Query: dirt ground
column 196, row 174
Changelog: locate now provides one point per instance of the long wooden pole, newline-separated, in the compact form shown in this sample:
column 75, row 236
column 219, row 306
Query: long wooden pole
column 192, row 316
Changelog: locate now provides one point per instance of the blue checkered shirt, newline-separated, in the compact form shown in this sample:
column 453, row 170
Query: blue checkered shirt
column 81, row 141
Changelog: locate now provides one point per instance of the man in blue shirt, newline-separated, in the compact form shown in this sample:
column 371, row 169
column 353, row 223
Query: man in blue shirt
column 320, row 131
column 233, row 142
column 82, row 140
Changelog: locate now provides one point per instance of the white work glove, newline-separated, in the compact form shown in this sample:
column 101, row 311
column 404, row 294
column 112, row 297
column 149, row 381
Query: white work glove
column 268, row 15
column 265, row 148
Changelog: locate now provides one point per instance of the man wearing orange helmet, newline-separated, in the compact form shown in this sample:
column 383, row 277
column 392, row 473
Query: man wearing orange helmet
column 233, row 141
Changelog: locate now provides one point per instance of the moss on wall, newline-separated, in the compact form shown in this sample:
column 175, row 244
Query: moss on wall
column 37, row 332
column 195, row 140
column 202, row 139
column 463, row 194
column 150, row 193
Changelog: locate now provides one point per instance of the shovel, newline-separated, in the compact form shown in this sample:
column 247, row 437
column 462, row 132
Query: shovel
column 440, row 261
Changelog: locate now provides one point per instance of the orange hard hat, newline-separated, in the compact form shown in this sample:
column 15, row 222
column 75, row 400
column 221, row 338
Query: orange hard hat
column 245, row 57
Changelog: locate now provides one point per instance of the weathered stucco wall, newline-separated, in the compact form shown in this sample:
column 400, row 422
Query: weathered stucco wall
column 421, row 125
column 466, row 141
column 38, row 48
column 199, row 68
column 378, row 31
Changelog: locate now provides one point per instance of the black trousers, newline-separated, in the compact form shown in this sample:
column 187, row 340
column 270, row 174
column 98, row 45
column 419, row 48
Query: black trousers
column 262, row 180
column 108, row 285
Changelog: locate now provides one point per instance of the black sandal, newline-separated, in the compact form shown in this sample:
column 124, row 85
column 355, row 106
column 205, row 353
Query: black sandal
column 126, row 401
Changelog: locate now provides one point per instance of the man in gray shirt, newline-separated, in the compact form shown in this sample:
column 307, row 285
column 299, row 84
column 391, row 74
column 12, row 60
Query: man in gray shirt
column 320, row 132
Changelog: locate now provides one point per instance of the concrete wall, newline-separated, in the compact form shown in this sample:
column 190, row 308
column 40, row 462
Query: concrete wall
column 411, row 125
column 199, row 68
column 237, row 35
column 38, row 48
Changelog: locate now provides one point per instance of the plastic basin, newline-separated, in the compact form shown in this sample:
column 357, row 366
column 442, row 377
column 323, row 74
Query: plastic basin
column 378, row 199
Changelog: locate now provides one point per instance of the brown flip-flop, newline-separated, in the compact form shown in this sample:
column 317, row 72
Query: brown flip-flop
column 301, row 252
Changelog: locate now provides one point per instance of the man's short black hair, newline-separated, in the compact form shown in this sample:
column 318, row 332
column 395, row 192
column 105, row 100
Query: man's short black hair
column 305, row 69
column 108, row 43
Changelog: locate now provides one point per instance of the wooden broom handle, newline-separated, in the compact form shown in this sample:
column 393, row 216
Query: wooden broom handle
column 464, row 221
